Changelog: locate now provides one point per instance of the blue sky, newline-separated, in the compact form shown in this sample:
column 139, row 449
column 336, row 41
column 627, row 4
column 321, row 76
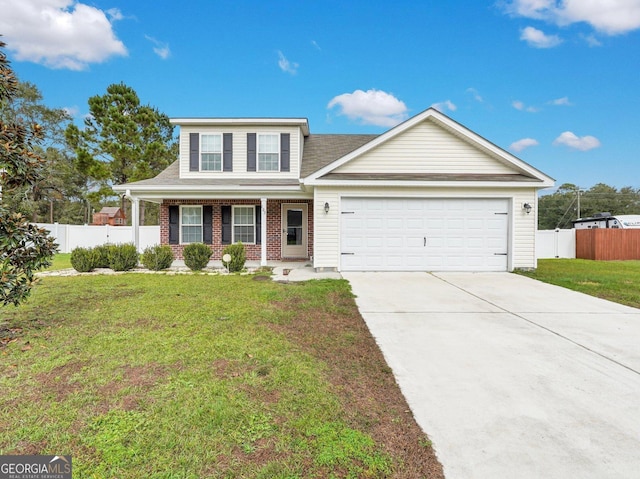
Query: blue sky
column 555, row 82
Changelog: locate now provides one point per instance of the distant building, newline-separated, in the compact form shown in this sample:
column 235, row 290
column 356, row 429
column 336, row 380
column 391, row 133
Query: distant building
column 110, row 215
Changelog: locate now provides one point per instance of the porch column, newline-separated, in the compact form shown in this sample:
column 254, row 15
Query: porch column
column 263, row 232
column 135, row 220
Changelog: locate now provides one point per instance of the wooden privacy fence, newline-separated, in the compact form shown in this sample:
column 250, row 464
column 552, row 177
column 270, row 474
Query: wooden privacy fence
column 608, row 244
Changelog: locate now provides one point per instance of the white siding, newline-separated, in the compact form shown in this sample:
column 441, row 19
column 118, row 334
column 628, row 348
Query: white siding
column 521, row 233
column 240, row 151
column 426, row 148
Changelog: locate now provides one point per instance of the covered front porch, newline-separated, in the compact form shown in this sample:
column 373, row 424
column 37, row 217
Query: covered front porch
column 271, row 229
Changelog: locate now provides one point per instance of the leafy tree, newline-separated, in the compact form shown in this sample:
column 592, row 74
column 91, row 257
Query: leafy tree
column 24, row 248
column 60, row 184
column 122, row 140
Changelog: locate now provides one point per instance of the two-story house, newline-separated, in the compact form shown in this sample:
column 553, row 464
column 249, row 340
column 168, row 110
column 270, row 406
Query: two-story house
column 427, row 195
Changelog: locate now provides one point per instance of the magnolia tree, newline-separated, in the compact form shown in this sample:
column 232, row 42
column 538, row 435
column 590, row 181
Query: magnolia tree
column 24, row 248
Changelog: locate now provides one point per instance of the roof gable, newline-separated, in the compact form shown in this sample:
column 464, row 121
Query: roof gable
column 321, row 150
column 430, row 144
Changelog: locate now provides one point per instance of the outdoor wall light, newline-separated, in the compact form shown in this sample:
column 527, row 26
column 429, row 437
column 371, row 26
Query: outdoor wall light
column 527, row 207
column 326, row 207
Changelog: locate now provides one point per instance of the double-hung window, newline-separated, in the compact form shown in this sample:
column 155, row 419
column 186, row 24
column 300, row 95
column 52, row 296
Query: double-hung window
column 211, row 153
column 244, row 224
column 269, row 152
column 191, row 224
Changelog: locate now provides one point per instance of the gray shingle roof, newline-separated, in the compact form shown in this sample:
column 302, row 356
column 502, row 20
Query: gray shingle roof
column 320, row 150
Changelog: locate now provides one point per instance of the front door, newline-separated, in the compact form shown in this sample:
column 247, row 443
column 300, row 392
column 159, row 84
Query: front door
column 294, row 231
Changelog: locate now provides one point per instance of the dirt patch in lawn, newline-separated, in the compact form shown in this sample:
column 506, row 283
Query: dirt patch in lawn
column 61, row 381
column 137, row 381
column 363, row 381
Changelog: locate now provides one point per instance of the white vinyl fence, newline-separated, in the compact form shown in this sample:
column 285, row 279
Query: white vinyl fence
column 69, row 237
column 549, row 243
column 556, row 243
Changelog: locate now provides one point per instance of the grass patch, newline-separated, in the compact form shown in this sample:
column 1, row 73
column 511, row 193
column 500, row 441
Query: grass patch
column 203, row 376
column 617, row 281
column 60, row 261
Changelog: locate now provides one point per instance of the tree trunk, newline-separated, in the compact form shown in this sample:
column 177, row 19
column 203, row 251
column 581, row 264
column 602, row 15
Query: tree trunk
column 141, row 223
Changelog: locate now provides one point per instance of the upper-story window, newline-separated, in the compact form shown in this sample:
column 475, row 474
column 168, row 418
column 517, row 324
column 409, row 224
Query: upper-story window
column 211, row 153
column 269, row 152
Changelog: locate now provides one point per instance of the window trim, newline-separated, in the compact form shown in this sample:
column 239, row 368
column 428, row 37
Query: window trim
column 278, row 152
column 233, row 222
column 181, row 225
column 221, row 152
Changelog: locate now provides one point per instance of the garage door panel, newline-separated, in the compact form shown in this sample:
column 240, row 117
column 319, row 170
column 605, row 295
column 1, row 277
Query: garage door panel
column 374, row 242
column 394, row 242
column 415, row 223
column 395, row 223
column 415, row 242
column 389, row 234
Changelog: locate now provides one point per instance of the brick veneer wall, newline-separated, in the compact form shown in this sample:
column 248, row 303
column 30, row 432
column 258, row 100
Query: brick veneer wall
column 274, row 227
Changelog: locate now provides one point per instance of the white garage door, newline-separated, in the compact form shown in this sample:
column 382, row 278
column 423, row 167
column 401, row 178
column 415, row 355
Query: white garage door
column 418, row 234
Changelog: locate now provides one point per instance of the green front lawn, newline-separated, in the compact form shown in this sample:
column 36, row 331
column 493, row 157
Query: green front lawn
column 197, row 376
column 617, row 281
column 60, row 261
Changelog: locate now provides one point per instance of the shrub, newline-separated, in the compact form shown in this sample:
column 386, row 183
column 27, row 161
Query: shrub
column 238, row 257
column 82, row 259
column 123, row 257
column 101, row 255
column 157, row 257
column 196, row 256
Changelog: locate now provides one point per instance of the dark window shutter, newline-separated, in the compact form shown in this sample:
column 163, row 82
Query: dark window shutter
column 227, row 152
column 251, row 152
column 285, row 139
column 174, row 224
column 207, row 224
column 194, row 151
column 258, row 224
column 226, row 224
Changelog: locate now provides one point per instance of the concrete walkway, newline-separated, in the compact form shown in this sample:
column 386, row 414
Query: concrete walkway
column 511, row 377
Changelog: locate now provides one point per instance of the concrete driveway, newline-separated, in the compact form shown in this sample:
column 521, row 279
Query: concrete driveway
column 511, row 377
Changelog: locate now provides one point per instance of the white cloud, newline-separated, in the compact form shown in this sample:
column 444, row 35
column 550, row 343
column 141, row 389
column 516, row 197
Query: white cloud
column 538, row 39
column 518, row 105
column 564, row 101
column 59, row 33
column 444, row 105
column 529, row 8
column 72, row 111
column 591, row 40
column 285, row 65
column 522, row 144
column 371, row 107
column 476, row 96
column 611, row 17
column 315, row 44
column 570, row 139
column 161, row 48
column 114, row 14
